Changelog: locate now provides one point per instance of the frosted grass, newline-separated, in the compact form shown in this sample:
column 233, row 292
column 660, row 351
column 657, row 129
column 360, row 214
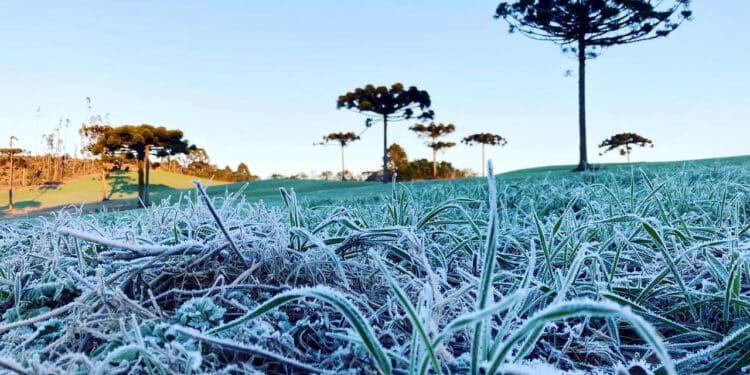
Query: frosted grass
column 606, row 272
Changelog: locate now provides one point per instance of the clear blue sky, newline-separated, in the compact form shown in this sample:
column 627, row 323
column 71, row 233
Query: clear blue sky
column 257, row 81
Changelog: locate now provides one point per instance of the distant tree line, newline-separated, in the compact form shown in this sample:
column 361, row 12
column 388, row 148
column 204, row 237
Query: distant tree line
column 420, row 169
column 111, row 149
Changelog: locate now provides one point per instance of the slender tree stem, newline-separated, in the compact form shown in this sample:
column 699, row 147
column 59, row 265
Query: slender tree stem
column 483, row 172
column 342, row 163
column 385, row 149
column 434, row 163
column 146, row 194
column 583, row 163
column 10, row 191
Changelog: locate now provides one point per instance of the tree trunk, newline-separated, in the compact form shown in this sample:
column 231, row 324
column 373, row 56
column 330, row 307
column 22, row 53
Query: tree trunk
column 104, row 184
column 483, row 163
column 10, row 191
column 434, row 163
column 342, row 164
column 583, row 162
column 141, row 180
column 148, row 179
column 385, row 149
column 143, row 166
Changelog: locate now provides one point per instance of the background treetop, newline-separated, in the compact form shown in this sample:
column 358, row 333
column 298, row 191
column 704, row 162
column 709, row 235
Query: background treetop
column 584, row 27
column 440, row 145
column 382, row 103
column 485, row 139
column 10, row 151
column 598, row 23
column 397, row 103
column 433, row 130
column 625, row 139
column 129, row 139
column 341, row 137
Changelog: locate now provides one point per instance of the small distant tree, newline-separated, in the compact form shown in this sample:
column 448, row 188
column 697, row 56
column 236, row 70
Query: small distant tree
column 434, row 131
column 243, row 173
column 139, row 142
column 278, row 176
column 382, row 103
column 624, row 142
column 345, row 175
column 299, row 176
column 326, row 175
column 11, row 152
column 344, row 139
column 485, row 139
column 585, row 27
column 197, row 154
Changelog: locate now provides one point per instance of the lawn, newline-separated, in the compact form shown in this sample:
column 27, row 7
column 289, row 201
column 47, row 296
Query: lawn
column 629, row 269
column 87, row 190
column 122, row 187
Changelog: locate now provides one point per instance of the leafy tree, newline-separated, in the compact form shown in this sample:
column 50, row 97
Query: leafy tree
column 434, row 131
column 243, row 173
column 300, row 176
column 624, row 141
column 485, row 139
column 197, row 154
column 11, row 152
column 326, row 175
column 585, row 27
column 198, row 163
column 387, row 104
column 421, row 169
column 345, row 175
column 344, row 139
column 396, row 156
column 139, row 142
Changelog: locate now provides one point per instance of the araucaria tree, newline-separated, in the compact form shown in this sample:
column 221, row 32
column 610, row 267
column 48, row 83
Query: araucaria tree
column 139, row 142
column 584, row 27
column 344, row 139
column 434, row 131
column 485, row 139
column 624, row 142
column 387, row 104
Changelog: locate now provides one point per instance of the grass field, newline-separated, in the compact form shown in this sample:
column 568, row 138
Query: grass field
column 122, row 187
column 88, row 190
column 631, row 269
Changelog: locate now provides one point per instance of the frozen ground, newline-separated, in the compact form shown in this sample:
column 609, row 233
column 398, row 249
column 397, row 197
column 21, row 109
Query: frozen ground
column 624, row 272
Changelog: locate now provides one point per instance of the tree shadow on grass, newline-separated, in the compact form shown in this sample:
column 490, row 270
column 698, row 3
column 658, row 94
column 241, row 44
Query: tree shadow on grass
column 49, row 185
column 121, row 184
column 125, row 187
column 19, row 206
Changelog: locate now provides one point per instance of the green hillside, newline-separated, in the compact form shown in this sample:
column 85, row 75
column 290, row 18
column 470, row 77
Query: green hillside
column 123, row 188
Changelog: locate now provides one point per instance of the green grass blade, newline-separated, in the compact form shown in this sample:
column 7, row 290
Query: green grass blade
column 535, row 324
column 410, row 311
column 334, row 298
column 480, row 341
